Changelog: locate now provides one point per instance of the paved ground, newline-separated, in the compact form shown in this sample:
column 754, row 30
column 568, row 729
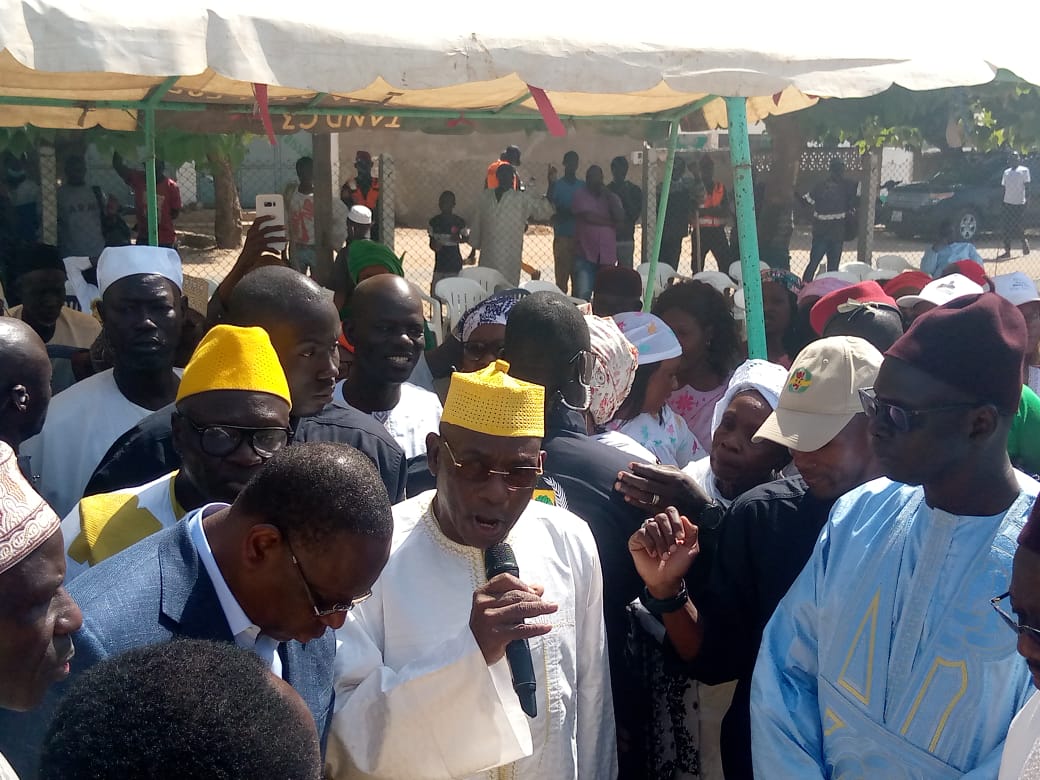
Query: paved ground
column 201, row 259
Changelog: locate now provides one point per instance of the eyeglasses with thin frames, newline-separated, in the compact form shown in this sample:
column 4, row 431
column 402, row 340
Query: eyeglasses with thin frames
column 901, row 418
column 1011, row 622
column 335, row 609
column 517, row 478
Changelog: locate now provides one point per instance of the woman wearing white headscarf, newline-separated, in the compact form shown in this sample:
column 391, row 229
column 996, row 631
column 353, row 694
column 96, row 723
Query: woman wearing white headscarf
column 683, row 730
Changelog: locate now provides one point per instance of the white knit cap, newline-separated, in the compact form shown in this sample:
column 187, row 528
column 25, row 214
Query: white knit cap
column 761, row 375
column 119, row 262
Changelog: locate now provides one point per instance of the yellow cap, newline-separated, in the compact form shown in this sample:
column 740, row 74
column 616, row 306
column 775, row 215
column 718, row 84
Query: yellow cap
column 232, row 358
column 492, row 402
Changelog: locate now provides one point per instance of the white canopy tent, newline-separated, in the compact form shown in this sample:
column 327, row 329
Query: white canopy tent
column 118, row 64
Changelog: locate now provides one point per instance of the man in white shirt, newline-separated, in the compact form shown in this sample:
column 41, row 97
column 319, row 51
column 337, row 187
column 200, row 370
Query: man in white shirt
column 423, row 672
column 275, row 573
column 1020, row 610
column 386, row 329
column 142, row 309
column 1015, row 182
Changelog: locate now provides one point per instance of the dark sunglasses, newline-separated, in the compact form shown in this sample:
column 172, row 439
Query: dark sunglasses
column 219, row 441
column 517, row 478
column 900, row 418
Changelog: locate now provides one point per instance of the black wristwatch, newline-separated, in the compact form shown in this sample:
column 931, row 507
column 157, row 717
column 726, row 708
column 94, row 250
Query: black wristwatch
column 660, row 607
column 711, row 516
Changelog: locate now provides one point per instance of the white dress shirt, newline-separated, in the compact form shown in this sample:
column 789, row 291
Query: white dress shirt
column 246, row 632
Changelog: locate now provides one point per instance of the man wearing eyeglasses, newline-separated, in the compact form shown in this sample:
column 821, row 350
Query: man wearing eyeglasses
column 275, row 572
column 1019, row 608
column 232, row 415
column 885, row 658
column 423, row 684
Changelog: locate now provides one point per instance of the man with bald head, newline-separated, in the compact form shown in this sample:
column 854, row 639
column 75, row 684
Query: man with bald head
column 303, row 326
column 25, row 382
column 386, row 329
column 142, row 309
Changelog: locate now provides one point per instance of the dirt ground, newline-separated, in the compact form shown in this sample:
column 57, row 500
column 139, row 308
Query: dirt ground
column 201, row 258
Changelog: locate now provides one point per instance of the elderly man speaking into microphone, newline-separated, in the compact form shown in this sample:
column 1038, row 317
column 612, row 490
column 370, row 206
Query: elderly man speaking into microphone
column 482, row 646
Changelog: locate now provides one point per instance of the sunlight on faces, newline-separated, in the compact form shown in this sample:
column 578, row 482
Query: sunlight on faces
column 143, row 316
column 483, row 347
column 309, row 354
column 1025, row 605
column 479, row 513
column 838, row 466
column 738, row 463
column 662, row 383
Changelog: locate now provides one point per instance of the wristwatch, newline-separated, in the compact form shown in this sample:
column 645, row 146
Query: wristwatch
column 711, row 516
column 660, row 607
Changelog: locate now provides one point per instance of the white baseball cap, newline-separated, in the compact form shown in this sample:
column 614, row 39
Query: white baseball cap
column 1016, row 288
column 941, row 291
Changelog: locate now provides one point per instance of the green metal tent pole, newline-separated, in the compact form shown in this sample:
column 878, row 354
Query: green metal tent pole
column 740, row 160
column 152, row 199
column 662, row 206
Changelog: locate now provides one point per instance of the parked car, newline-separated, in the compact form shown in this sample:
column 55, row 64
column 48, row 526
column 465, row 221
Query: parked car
column 966, row 191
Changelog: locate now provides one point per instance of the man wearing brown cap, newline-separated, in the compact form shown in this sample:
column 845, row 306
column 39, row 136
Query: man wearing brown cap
column 766, row 536
column 37, row 616
column 885, row 658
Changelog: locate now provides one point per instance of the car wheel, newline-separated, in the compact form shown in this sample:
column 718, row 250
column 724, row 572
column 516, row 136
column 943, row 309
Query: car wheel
column 967, row 225
column 902, row 231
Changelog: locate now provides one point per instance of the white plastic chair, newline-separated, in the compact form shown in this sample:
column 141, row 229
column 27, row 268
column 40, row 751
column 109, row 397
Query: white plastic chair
column 664, row 273
column 459, row 295
column 845, row 276
column 882, row 275
column 736, row 270
column 860, row 270
column 720, row 281
column 436, row 317
column 489, row 278
column 895, row 263
column 541, row 285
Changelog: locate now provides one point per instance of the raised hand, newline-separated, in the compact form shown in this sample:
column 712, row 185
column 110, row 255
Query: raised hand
column 663, row 549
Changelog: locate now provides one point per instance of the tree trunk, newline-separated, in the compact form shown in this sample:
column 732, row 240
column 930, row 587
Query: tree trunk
column 775, row 217
column 227, row 220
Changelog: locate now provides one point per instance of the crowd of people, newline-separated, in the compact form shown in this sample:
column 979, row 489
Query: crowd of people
column 300, row 535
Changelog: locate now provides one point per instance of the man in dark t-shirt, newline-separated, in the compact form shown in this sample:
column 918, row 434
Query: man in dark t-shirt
column 447, row 230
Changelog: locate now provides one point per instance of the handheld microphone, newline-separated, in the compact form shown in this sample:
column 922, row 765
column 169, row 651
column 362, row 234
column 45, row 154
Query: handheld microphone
column 499, row 559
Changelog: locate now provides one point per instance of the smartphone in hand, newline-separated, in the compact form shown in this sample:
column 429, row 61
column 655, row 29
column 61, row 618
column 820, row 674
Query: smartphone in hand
column 272, row 206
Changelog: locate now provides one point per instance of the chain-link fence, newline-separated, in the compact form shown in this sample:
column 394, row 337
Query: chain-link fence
column 961, row 195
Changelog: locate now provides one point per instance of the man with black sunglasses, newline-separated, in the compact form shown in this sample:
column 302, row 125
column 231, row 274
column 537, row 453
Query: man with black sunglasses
column 232, row 415
column 276, row 572
column 424, row 684
column 884, row 658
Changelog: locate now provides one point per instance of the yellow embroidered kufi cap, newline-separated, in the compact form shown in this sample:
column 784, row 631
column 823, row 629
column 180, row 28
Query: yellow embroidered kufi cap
column 492, row 402
column 232, row 358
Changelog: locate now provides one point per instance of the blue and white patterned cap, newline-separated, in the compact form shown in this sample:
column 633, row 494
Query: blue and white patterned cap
column 490, row 311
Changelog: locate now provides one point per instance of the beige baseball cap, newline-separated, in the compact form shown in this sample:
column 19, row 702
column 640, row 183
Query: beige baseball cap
column 821, row 395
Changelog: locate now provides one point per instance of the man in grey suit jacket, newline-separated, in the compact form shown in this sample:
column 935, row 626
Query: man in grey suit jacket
column 276, row 573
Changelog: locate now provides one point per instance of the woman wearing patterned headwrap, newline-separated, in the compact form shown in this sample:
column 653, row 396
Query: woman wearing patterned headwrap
column 780, row 290
column 482, row 330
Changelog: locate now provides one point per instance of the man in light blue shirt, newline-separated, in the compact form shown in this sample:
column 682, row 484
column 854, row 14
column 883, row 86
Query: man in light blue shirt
column 561, row 194
column 946, row 250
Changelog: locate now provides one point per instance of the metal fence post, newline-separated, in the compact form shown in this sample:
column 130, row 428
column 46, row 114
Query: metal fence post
column 649, row 201
column 49, row 193
column 870, row 184
column 386, row 200
column 326, row 187
column 662, row 207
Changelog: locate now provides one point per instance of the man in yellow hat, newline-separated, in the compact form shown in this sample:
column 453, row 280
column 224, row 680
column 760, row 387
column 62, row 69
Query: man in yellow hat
column 424, row 680
column 232, row 414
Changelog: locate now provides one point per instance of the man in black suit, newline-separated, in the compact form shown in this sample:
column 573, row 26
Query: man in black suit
column 275, row 573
